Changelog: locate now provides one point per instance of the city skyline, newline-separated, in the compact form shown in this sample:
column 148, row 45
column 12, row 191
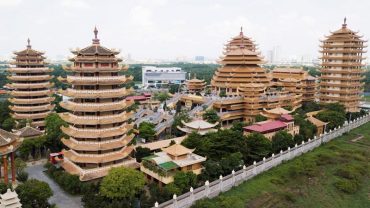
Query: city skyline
column 164, row 29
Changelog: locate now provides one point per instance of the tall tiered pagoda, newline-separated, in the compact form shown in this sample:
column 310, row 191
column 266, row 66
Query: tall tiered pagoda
column 195, row 85
column 30, row 83
column 99, row 123
column 240, row 66
column 246, row 84
column 342, row 68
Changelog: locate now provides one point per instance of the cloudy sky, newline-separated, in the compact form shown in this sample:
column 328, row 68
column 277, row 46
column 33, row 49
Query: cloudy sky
column 166, row 29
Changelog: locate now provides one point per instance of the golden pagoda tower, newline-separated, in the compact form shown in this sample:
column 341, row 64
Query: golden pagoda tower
column 342, row 68
column 99, row 124
column 195, row 85
column 242, row 76
column 240, row 66
column 30, row 84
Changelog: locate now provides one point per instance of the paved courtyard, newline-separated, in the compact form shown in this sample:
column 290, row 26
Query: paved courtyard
column 60, row 198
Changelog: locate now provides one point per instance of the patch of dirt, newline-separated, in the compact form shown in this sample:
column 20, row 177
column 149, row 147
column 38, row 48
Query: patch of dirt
column 358, row 138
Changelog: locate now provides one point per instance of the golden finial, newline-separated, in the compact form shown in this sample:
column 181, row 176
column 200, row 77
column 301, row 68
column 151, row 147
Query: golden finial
column 96, row 40
column 28, row 43
column 344, row 22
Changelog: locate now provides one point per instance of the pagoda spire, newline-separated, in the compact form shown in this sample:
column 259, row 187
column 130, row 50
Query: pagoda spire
column 96, row 40
column 28, row 43
column 344, row 25
column 241, row 31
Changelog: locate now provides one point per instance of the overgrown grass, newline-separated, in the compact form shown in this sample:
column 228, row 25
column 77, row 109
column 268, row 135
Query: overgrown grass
column 337, row 174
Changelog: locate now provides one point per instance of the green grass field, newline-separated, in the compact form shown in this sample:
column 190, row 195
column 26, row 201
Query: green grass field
column 310, row 180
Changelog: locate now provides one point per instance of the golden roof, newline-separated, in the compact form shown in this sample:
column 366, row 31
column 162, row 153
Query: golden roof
column 177, row 150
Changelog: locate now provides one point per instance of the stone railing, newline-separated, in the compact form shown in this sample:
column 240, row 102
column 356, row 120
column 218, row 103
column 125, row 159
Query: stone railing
column 213, row 189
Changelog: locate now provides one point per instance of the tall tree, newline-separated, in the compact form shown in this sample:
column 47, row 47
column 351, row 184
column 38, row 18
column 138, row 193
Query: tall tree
column 53, row 132
column 122, row 183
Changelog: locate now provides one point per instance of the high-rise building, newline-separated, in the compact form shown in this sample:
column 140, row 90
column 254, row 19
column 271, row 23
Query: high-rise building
column 342, row 68
column 30, row 83
column 99, row 123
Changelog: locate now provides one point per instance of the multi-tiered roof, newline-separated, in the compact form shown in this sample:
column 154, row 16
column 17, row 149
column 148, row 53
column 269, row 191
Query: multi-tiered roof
column 195, row 85
column 240, row 66
column 342, row 68
column 30, row 84
column 99, row 124
column 242, row 75
column 297, row 81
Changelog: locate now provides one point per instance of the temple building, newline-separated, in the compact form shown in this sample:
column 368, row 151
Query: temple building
column 9, row 143
column 342, row 68
column 247, row 88
column 99, row 125
column 28, row 132
column 30, row 84
column 270, row 127
column 275, row 113
column 320, row 125
column 195, row 85
column 162, row 166
column 240, row 65
column 296, row 80
column 199, row 126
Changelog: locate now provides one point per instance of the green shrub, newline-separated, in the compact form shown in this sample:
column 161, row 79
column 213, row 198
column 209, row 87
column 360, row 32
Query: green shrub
column 347, row 186
column 288, row 196
column 353, row 172
column 22, row 176
column 277, row 181
column 69, row 183
column 326, row 158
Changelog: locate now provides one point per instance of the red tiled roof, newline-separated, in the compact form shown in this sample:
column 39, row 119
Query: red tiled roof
column 286, row 117
column 147, row 94
column 266, row 127
column 137, row 98
column 2, row 91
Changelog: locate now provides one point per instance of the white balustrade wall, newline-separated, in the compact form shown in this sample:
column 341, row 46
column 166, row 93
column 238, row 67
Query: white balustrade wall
column 210, row 190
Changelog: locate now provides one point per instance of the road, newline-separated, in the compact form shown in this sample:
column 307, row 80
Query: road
column 60, row 198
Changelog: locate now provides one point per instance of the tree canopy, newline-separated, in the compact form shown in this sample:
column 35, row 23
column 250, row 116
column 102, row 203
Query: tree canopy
column 281, row 141
column 258, row 147
column 211, row 116
column 146, row 131
column 180, row 116
column 34, row 193
column 122, row 183
column 53, row 132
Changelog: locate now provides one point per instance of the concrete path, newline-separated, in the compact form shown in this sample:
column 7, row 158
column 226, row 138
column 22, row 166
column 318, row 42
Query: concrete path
column 60, row 197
